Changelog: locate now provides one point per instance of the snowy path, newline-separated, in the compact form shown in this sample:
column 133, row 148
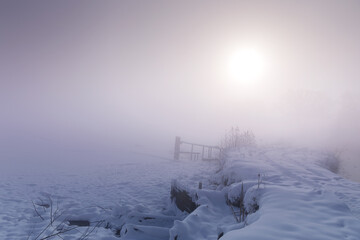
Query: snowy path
column 298, row 199
column 311, row 176
column 301, row 199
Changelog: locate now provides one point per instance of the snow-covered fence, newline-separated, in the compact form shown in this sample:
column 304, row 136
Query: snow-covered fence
column 196, row 151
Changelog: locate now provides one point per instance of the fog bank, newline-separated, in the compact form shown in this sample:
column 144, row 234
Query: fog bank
column 136, row 73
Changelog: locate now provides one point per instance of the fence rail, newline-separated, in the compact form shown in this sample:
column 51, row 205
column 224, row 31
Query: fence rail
column 195, row 150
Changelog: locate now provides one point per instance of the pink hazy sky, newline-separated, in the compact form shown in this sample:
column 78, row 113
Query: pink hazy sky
column 119, row 68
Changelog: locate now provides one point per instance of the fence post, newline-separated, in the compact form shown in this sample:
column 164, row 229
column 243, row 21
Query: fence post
column 202, row 154
column 192, row 151
column 177, row 148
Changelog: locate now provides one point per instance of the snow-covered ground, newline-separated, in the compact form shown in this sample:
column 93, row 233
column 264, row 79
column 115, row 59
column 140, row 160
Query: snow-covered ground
column 102, row 188
column 298, row 199
column 128, row 194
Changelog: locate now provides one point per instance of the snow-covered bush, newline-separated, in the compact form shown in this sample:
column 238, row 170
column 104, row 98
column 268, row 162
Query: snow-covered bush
column 251, row 199
column 245, row 196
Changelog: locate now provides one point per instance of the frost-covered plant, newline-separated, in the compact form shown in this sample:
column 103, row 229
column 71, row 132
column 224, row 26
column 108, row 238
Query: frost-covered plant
column 243, row 199
column 234, row 138
column 222, row 160
column 252, row 206
column 239, row 203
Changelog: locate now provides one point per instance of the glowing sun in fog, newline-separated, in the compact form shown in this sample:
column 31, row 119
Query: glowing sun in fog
column 246, row 65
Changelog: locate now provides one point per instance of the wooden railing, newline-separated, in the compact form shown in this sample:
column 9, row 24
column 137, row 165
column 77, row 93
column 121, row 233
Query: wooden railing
column 196, row 151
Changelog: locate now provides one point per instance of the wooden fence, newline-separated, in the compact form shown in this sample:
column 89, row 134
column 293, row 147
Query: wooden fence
column 196, row 151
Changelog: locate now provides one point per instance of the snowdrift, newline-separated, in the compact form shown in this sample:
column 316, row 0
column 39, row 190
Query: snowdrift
column 297, row 198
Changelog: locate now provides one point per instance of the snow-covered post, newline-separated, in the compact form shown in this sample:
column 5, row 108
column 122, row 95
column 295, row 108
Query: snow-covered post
column 177, row 148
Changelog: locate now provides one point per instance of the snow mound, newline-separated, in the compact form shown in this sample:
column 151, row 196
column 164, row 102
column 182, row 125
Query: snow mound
column 288, row 195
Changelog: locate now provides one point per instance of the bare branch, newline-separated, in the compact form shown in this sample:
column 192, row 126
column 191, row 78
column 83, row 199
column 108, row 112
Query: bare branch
column 58, row 233
column 37, row 211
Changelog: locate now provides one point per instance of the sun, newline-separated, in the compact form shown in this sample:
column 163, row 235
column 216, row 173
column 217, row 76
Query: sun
column 246, row 66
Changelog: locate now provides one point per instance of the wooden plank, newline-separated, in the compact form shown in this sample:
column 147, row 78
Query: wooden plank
column 200, row 145
column 177, row 148
column 194, row 153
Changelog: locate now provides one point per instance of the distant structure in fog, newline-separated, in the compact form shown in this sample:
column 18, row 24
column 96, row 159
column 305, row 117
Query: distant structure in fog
column 195, row 150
